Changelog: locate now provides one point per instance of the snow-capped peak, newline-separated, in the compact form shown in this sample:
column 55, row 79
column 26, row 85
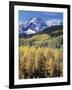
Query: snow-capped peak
column 35, row 25
column 33, row 19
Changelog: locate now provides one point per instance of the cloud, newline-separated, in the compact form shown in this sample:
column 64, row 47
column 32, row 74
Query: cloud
column 20, row 22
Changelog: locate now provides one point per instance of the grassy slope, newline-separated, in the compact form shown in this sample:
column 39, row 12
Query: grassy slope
column 52, row 40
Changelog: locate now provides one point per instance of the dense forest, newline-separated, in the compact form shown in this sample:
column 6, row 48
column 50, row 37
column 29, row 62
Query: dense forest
column 40, row 62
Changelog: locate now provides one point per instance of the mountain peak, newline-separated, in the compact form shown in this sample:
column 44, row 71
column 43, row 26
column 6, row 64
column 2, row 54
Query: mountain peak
column 36, row 24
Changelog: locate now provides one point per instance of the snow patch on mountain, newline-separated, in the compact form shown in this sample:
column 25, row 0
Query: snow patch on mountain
column 29, row 31
column 53, row 22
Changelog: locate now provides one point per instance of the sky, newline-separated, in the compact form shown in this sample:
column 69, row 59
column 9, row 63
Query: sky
column 24, row 16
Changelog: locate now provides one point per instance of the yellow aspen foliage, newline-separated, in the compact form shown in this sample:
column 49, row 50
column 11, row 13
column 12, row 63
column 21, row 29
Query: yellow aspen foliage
column 40, row 62
column 30, row 59
column 57, row 54
column 22, row 59
column 21, row 50
column 37, row 57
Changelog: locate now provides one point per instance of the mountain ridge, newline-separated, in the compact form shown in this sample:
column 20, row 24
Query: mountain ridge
column 36, row 25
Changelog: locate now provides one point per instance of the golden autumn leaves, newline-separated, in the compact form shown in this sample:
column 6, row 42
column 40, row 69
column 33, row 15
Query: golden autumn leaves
column 40, row 62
